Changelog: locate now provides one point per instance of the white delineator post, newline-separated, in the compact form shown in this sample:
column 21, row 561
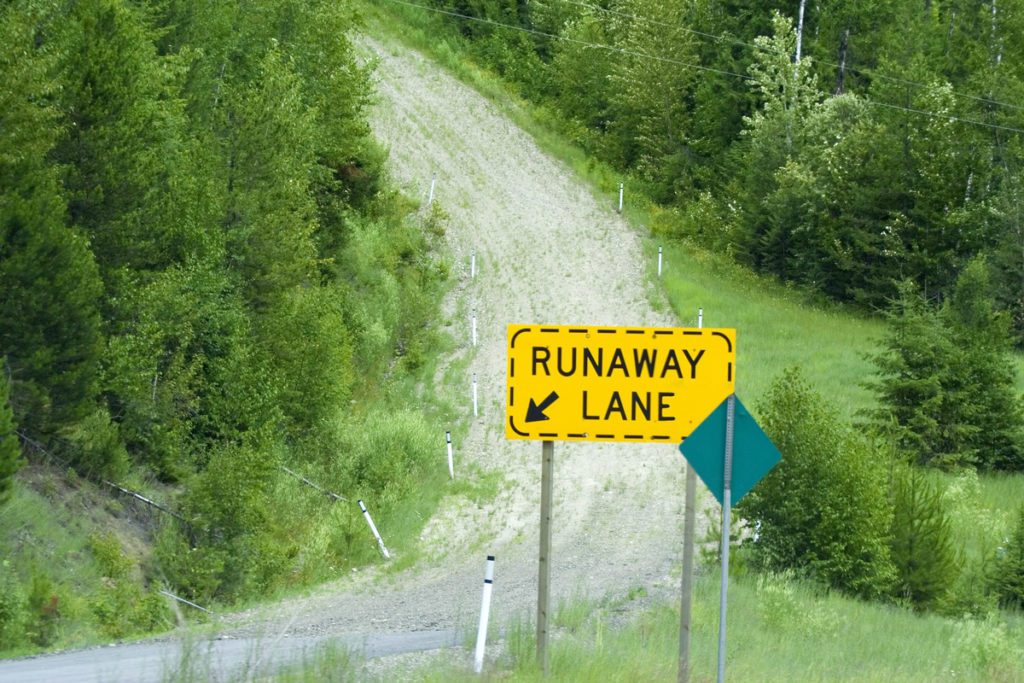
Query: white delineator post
column 700, row 317
column 472, row 265
column 621, row 190
column 476, row 412
column 433, row 181
column 373, row 528
column 485, row 613
column 659, row 261
column 451, row 463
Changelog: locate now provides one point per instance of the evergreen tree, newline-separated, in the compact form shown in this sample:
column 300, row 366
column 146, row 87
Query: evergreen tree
column 10, row 447
column 49, row 318
column 271, row 155
column 121, row 141
column 649, row 94
column 921, row 543
column 946, row 385
column 1007, row 260
column 988, row 398
column 1009, row 568
column 920, row 375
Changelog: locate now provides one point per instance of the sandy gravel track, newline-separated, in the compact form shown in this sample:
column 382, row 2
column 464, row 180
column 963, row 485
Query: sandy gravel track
column 546, row 252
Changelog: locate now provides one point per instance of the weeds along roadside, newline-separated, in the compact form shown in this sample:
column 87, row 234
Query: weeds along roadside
column 780, row 629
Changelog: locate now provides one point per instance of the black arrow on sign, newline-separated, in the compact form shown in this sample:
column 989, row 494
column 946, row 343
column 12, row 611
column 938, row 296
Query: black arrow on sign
column 535, row 413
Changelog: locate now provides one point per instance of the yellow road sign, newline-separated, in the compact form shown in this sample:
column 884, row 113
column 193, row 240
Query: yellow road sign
column 571, row 383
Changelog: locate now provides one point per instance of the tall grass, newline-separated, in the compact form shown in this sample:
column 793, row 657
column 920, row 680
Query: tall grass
column 779, row 629
column 776, row 328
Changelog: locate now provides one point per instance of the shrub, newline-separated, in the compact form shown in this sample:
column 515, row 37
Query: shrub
column 985, row 647
column 120, row 605
column 12, row 613
column 822, row 511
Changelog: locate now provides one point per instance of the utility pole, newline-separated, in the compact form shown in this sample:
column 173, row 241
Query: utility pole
column 800, row 30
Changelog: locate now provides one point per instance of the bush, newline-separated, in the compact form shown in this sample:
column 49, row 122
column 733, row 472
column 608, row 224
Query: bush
column 12, row 614
column 120, row 605
column 823, row 510
column 228, row 506
column 985, row 647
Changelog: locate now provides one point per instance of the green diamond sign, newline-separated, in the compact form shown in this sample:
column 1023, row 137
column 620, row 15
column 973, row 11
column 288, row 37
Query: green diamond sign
column 753, row 452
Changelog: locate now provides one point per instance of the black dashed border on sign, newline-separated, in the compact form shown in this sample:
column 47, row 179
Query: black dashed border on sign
column 604, row 330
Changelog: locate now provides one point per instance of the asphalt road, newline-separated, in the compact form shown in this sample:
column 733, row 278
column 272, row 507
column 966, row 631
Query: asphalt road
column 213, row 660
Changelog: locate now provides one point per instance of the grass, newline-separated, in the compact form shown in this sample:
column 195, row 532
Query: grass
column 776, row 328
column 981, row 508
column 779, row 629
column 47, row 536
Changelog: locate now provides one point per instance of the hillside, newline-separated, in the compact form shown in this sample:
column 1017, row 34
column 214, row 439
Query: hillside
column 546, row 248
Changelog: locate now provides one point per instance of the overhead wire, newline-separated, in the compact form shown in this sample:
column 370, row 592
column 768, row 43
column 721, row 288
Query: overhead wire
column 555, row 36
column 736, row 41
column 700, row 67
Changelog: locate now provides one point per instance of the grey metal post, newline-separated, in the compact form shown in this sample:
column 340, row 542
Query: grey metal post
column 730, row 420
column 689, row 531
column 686, row 606
column 544, row 577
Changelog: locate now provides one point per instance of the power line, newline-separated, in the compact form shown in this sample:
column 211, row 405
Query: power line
column 553, row 36
column 736, row 41
column 645, row 55
column 937, row 115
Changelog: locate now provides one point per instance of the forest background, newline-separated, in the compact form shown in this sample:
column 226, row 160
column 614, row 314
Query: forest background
column 206, row 277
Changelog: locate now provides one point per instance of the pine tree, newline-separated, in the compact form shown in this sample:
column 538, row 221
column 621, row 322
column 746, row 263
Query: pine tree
column 987, row 397
column 49, row 318
column 920, row 372
column 921, row 543
column 122, row 141
column 10, row 447
column 1009, row 570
